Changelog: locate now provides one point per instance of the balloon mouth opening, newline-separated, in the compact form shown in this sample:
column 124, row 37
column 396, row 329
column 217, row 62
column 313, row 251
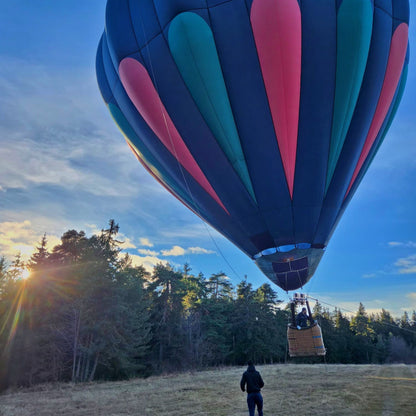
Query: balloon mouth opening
column 290, row 266
column 287, row 248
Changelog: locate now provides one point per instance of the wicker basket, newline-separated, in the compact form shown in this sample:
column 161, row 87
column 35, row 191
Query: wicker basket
column 305, row 342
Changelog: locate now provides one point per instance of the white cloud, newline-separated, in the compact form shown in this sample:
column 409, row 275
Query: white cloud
column 147, row 252
column 125, row 242
column 148, row 262
column 180, row 251
column 145, row 242
column 34, row 161
column 395, row 244
column 20, row 237
column 174, row 251
column 406, row 265
column 407, row 244
column 199, row 250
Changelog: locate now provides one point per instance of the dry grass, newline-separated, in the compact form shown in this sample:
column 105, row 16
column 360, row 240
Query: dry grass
column 290, row 389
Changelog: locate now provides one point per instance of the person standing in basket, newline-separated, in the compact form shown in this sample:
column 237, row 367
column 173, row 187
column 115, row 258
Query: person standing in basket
column 302, row 319
column 253, row 383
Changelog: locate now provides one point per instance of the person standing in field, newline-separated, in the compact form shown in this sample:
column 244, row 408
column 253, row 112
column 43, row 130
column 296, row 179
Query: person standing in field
column 253, row 383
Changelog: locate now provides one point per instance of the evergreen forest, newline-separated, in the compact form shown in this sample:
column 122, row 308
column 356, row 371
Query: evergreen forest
column 86, row 313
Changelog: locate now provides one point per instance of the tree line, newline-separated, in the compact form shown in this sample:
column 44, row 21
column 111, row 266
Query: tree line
column 86, row 313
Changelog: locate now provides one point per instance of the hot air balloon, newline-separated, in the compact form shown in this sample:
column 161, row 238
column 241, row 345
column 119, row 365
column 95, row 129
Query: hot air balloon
column 261, row 116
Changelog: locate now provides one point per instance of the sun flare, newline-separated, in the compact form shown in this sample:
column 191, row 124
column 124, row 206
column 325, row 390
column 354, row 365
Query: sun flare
column 25, row 274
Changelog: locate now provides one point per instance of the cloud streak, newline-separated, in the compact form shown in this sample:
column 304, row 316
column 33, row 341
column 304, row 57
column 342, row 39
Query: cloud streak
column 407, row 244
column 406, row 265
column 199, row 250
column 147, row 252
column 179, row 251
column 51, row 133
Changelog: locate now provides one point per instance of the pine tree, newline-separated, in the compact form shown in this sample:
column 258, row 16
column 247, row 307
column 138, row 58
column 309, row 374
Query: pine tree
column 194, row 293
column 168, row 292
column 219, row 286
column 362, row 343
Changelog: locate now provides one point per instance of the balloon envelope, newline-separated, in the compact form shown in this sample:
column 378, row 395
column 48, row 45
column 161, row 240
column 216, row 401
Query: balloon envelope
column 261, row 116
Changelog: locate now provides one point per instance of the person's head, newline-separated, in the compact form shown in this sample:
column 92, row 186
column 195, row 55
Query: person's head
column 304, row 311
column 250, row 363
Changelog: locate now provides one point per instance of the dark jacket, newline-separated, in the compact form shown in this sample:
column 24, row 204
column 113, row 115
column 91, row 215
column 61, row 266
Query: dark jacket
column 302, row 320
column 252, row 379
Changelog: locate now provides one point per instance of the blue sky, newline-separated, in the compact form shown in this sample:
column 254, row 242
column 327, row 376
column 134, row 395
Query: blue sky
column 64, row 165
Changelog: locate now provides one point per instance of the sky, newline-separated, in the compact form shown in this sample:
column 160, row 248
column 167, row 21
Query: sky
column 65, row 165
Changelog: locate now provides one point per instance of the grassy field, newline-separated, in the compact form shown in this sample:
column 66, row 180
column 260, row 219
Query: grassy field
column 289, row 390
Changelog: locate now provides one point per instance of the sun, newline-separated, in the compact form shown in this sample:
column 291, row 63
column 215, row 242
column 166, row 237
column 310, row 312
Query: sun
column 25, row 274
